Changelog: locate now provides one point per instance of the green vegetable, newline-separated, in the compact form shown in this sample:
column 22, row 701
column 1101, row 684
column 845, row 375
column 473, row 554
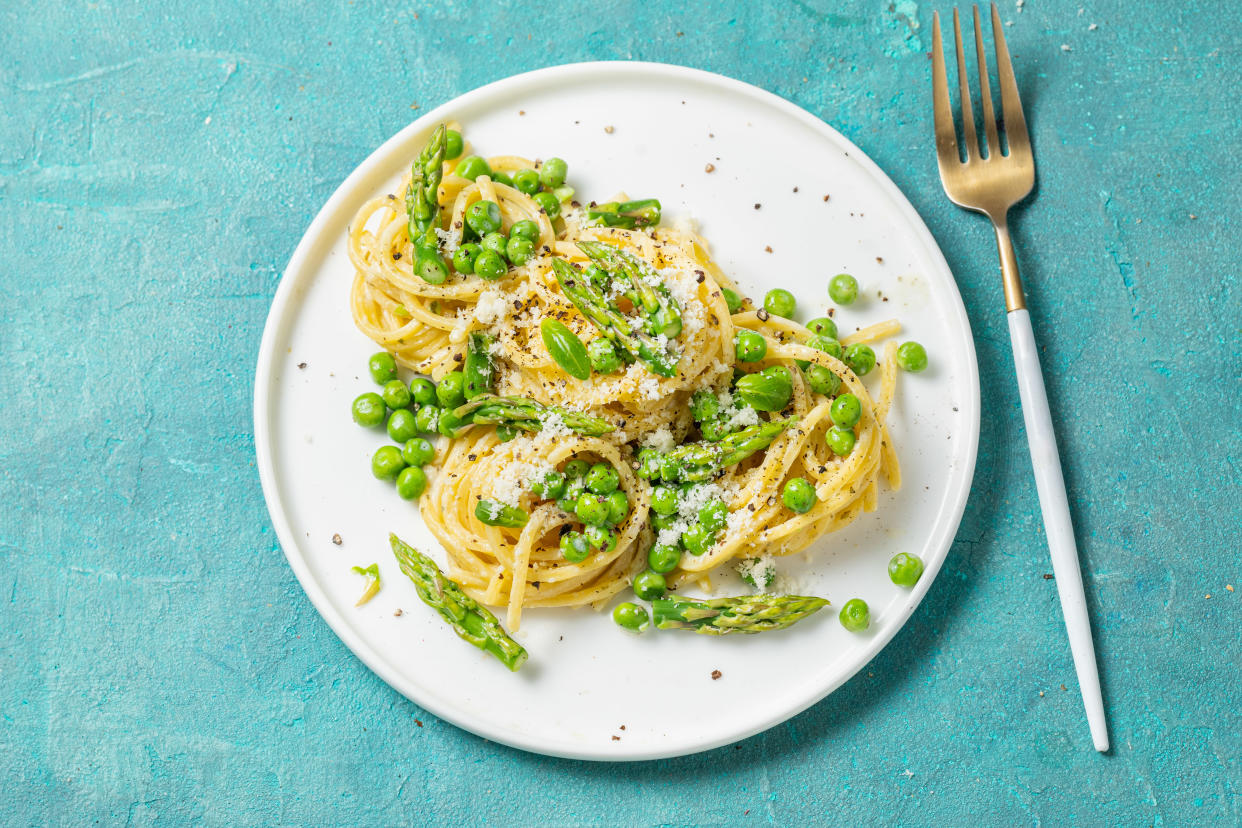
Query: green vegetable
column 860, row 358
column 502, row 177
column 490, row 266
column 650, row 585
column 453, row 144
column 602, row 479
column 855, row 615
column 422, row 207
column 843, row 289
column 821, row 380
column 563, row 194
column 451, row 391
column 369, row 409
column 396, row 394
column 524, row 229
column 472, row 166
column 576, row 468
column 664, row 500
column 401, row 425
column 422, row 391
column 603, row 356
column 663, row 557
column 627, row 214
column 483, row 217
column 427, row 420
column 468, row 619
column 506, row 433
column 527, row 181
column 591, row 509
column 618, row 507
column 749, row 346
column 418, row 452
column 449, row 424
column 661, row 522
column 383, row 367
column 574, row 547
column 548, row 203
column 495, row 242
column 798, row 495
column 479, row 373
column 565, row 348
column 552, row 173
column 826, row 344
column 767, row 390
column 630, row 616
column 372, row 586
column 411, row 482
column 386, row 463
column 648, row 463
column 500, row 514
column 840, row 440
column 698, row 539
column 739, row 614
column 639, row 283
column 912, row 357
column 601, row 538
column 732, row 300
column 526, row 415
column 519, row 250
column 823, row 326
column 693, row 462
column 780, row 302
column 845, row 410
column 905, row 569
column 713, row 514
column 550, row 487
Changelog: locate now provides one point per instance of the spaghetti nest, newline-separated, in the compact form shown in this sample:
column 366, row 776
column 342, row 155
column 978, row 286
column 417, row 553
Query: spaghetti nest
column 428, row 329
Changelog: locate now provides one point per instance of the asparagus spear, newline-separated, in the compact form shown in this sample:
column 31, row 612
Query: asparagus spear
column 423, row 207
column 627, row 214
column 525, row 414
column 642, row 286
column 466, row 616
column 739, row 614
column 480, row 372
column 693, row 462
column 613, row 324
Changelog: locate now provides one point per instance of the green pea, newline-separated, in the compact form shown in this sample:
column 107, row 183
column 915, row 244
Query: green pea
column 472, row 166
column 576, row 468
column 369, row 409
column 821, row 380
column 823, row 326
column 663, row 557
column 527, row 181
column 905, row 569
column 732, row 300
column 780, row 302
column 704, row 405
column 860, row 358
column 411, row 482
column 495, row 243
column 449, row 424
column 714, row 514
column 649, row 585
column 565, row 348
column 430, row 268
column 451, row 392
column 453, row 144
column 664, row 500
column 749, row 346
column 826, row 344
column 846, row 410
column 519, row 250
column 427, row 420
column 423, row 391
column 768, row 390
column 603, row 356
column 550, row 487
column 840, row 440
column 601, row 538
column 798, row 495
column 502, row 177
column 464, row 257
column 648, row 464
column 525, row 229
column 855, row 615
column 548, row 203
column 630, row 616
column 574, row 547
column 661, row 522
column 698, row 539
column 618, row 506
column 396, row 394
column 567, row 503
column 912, row 357
column 843, row 289
column 383, row 367
column 418, row 451
column 591, row 509
column 401, row 425
column 386, row 463
column 602, row 479
column 490, row 266
column 553, row 172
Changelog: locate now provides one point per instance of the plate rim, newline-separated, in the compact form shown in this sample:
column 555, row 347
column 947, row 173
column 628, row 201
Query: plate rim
column 276, row 323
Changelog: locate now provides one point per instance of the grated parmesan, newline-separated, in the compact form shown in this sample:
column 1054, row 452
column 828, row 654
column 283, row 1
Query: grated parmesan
column 490, row 306
column 760, row 570
column 661, row 440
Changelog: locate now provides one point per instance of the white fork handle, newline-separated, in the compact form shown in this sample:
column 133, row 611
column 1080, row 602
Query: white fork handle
column 1055, row 507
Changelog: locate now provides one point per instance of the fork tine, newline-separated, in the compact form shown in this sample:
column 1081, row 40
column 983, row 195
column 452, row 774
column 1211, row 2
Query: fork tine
column 942, row 106
column 1015, row 122
column 968, row 115
column 985, row 90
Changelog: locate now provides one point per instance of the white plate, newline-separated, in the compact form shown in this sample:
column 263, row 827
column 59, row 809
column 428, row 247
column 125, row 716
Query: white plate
column 586, row 678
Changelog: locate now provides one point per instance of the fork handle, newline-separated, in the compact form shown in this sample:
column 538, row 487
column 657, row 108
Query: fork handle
column 1053, row 503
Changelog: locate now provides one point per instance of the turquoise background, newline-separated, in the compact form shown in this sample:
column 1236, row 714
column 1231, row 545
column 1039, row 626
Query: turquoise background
column 159, row 662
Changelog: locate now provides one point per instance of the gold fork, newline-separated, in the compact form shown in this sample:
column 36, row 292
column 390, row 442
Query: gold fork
column 990, row 185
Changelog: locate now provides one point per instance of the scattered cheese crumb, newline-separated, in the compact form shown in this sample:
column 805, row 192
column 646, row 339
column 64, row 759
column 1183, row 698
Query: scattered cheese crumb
column 761, row 571
column 661, row 440
column 490, row 306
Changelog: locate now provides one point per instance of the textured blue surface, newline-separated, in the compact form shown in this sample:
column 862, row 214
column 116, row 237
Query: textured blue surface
column 160, row 664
